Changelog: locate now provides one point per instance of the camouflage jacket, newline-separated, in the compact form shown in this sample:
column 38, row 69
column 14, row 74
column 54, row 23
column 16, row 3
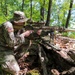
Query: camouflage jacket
column 9, row 41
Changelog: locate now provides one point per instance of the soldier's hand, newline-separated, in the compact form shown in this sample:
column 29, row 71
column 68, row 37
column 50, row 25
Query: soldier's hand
column 27, row 33
column 39, row 32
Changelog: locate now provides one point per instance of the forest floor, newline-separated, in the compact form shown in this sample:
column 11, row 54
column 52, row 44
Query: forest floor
column 64, row 44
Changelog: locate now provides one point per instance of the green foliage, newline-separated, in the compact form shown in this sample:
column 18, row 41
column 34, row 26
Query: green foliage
column 64, row 34
column 73, row 5
column 69, row 34
column 59, row 10
column 2, row 18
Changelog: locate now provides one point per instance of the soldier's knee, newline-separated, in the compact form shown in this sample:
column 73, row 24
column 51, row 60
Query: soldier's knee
column 11, row 65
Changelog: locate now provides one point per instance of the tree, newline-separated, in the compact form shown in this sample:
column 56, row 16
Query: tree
column 31, row 9
column 22, row 5
column 6, row 10
column 69, row 14
column 42, row 11
column 49, row 13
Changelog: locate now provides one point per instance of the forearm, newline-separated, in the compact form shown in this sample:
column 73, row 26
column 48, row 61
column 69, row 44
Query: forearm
column 21, row 38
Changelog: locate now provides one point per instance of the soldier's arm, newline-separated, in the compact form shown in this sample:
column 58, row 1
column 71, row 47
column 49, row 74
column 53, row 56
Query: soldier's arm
column 24, row 34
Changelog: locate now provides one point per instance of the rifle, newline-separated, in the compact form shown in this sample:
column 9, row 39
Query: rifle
column 37, row 25
column 45, row 30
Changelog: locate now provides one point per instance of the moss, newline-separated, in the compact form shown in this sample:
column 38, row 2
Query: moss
column 33, row 72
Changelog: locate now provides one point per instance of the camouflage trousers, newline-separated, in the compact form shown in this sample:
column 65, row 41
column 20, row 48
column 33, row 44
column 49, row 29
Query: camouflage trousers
column 9, row 63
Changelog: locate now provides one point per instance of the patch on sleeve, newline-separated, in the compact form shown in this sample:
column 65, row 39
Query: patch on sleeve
column 8, row 26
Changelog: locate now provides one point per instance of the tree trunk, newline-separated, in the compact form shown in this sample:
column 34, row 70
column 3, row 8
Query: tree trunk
column 6, row 13
column 49, row 13
column 69, row 14
column 63, row 20
column 22, row 5
column 42, row 11
column 31, row 9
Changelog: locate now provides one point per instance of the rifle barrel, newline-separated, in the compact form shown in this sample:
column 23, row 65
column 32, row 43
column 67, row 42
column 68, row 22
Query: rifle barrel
column 69, row 30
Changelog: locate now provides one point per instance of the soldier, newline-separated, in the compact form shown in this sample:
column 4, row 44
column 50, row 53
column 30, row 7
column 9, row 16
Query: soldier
column 12, row 35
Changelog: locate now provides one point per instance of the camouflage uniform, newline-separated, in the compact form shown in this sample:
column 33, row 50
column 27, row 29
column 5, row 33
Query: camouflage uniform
column 10, row 41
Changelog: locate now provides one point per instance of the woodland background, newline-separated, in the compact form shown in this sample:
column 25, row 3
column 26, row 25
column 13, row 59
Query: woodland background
column 53, row 12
